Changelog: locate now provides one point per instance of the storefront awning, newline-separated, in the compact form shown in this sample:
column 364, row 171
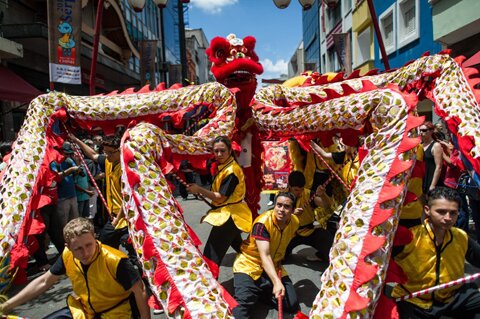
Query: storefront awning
column 14, row 88
column 473, row 60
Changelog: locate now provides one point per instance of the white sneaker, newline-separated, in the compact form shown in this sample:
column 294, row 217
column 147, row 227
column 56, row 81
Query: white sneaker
column 158, row 311
column 270, row 203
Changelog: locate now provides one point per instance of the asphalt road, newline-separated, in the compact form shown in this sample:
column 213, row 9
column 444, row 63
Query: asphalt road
column 304, row 274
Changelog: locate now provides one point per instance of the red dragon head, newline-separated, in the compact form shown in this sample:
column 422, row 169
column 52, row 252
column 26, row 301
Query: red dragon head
column 235, row 62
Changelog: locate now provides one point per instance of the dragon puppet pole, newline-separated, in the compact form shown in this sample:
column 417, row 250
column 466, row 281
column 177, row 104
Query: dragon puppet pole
column 331, row 169
column 460, row 281
column 198, row 196
column 280, row 298
column 312, row 197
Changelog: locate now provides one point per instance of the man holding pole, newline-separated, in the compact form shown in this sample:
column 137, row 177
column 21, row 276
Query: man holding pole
column 115, row 230
column 435, row 256
column 257, row 271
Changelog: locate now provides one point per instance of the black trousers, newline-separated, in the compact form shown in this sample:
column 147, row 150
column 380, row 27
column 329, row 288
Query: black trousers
column 321, row 239
column 116, row 237
column 63, row 313
column 220, row 238
column 249, row 291
column 465, row 305
column 189, row 178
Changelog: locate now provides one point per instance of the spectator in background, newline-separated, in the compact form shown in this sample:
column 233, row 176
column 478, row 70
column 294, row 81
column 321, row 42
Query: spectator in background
column 98, row 144
column 82, row 188
column 453, row 169
column 67, row 207
column 98, row 176
column 432, row 157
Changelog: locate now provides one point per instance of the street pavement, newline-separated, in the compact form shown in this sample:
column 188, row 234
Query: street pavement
column 304, row 274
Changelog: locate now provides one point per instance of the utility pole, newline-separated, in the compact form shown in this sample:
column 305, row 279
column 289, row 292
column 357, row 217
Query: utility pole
column 183, row 53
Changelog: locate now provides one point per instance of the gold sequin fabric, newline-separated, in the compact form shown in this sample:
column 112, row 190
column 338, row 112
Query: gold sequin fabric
column 162, row 225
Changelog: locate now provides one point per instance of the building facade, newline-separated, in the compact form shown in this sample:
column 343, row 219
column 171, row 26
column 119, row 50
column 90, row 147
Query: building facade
column 24, row 27
column 320, row 23
column 362, row 38
column 333, row 20
column 197, row 60
column 296, row 65
column 456, row 25
column 311, row 37
column 407, row 31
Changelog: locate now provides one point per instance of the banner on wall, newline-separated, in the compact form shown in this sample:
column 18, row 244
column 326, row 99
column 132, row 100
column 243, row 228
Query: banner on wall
column 277, row 165
column 148, row 52
column 64, row 38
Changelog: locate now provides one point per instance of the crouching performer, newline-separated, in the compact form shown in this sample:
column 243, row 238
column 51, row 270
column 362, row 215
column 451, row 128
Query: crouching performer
column 104, row 281
column 257, row 267
column 436, row 256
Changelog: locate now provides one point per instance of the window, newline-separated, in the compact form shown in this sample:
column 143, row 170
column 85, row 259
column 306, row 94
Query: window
column 333, row 64
column 408, row 18
column 387, row 28
column 362, row 48
column 347, row 6
column 334, row 16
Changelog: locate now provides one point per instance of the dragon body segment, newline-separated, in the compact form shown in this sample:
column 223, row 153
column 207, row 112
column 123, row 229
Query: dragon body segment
column 380, row 108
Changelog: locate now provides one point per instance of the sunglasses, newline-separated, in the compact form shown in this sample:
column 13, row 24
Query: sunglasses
column 425, row 130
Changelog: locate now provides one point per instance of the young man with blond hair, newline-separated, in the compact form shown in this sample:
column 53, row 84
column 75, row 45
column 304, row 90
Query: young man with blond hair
column 104, row 281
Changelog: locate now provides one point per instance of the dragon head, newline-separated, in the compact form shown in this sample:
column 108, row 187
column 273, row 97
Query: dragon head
column 235, row 62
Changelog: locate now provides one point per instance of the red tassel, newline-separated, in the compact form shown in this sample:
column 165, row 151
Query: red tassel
column 355, row 302
column 232, row 303
column 300, row 315
column 395, row 273
column 214, row 268
column 410, row 197
column 386, row 309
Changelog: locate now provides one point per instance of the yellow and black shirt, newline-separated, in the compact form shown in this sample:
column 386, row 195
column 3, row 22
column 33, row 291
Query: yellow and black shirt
column 428, row 265
column 230, row 182
column 265, row 228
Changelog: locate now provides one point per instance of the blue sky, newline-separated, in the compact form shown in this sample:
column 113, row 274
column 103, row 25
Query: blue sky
column 278, row 31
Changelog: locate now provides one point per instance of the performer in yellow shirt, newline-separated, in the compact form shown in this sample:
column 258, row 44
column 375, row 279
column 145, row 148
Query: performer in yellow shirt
column 230, row 214
column 437, row 255
column 256, row 268
column 103, row 279
column 319, row 238
column 115, row 231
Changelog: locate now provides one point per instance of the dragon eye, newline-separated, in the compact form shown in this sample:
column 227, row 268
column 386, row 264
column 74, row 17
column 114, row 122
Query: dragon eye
column 244, row 50
column 219, row 53
column 233, row 51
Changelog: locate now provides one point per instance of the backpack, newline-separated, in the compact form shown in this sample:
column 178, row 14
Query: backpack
column 467, row 186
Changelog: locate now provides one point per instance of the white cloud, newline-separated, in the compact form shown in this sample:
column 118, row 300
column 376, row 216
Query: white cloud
column 275, row 69
column 212, row 6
